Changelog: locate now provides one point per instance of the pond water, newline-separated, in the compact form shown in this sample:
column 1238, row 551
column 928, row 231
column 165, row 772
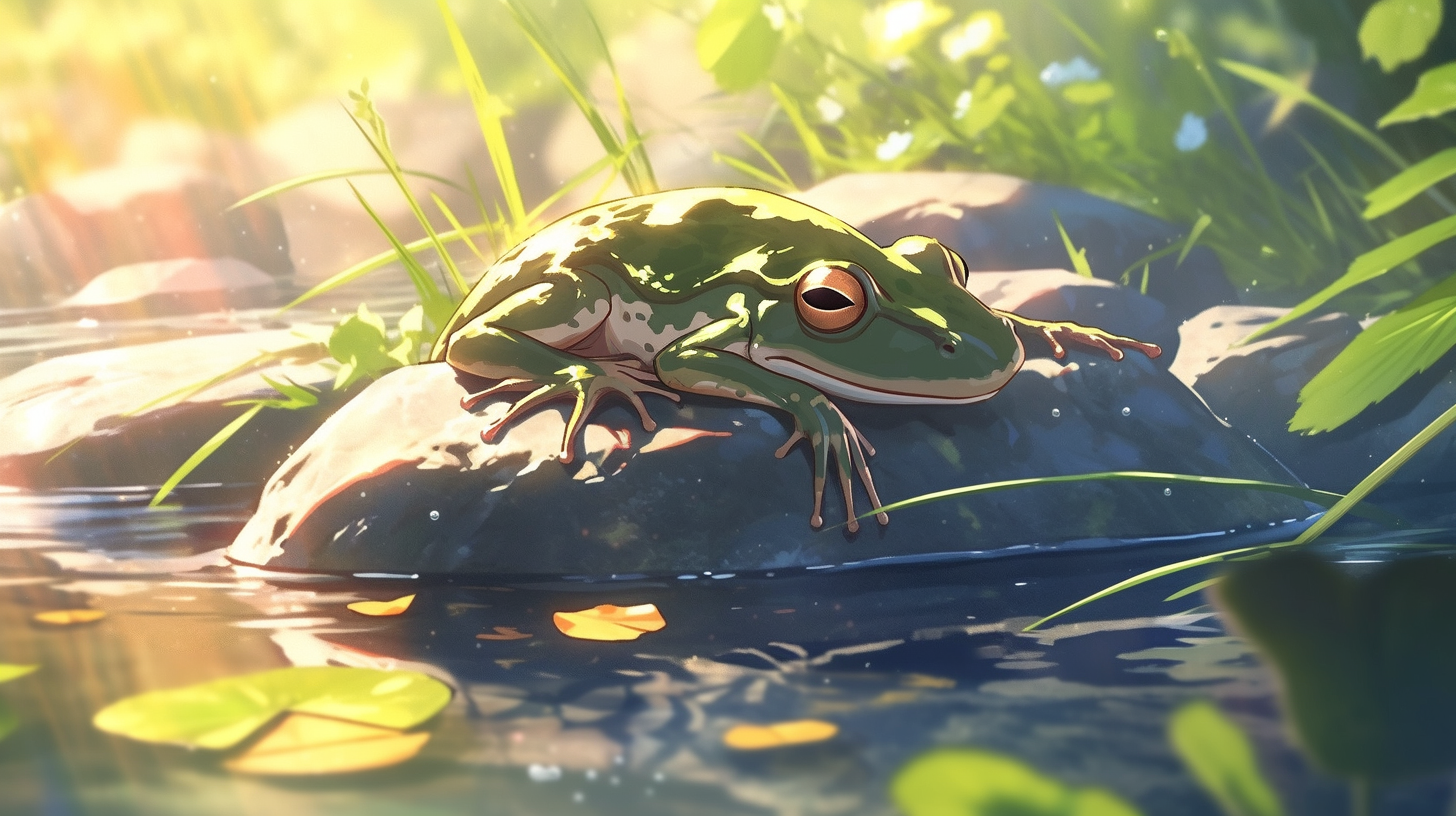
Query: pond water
column 900, row 658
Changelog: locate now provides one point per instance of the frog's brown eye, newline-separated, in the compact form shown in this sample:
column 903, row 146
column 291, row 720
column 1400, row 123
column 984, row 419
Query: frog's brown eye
column 830, row 299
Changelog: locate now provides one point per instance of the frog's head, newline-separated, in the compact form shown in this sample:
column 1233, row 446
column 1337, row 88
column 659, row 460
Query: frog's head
column 891, row 325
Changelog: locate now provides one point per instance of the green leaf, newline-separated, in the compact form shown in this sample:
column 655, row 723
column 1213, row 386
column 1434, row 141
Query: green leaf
column 8, row 720
column 10, row 671
column 222, row 713
column 1367, row 664
column 1435, row 94
column 1198, row 227
column 1088, row 93
column 1078, row 256
column 967, row 782
column 1368, row 267
column 737, row 42
column 201, row 454
column 1410, row 183
column 361, row 343
column 1398, row 31
column 1296, row 93
column 1395, row 348
column 1222, row 759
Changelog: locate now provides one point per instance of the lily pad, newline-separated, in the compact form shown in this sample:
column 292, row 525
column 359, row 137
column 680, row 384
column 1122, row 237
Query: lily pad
column 778, row 735
column 305, row 745
column 1368, row 664
column 382, row 609
column 223, row 713
column 610, row 622
column 968, row 782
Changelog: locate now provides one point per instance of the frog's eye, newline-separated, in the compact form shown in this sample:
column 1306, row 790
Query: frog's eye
column 830, row 299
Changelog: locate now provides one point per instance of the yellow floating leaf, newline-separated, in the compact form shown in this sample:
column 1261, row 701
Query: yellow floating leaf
column 503, row 633
column 380, row 609
column 306, row 745
column 69, row 617
column 778, row 735
column 609, row 622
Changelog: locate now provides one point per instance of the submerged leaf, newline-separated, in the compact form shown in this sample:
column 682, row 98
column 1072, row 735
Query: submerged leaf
column 609, row 622
column 381, row 609
column 778, row 735
column 1398, row 31
column 965, row 782
column 1435, row 94
column 305, row 745
column 1222, row 760
column 10, row 671
column 222, row 713
column 68, row 617
column 503, row 633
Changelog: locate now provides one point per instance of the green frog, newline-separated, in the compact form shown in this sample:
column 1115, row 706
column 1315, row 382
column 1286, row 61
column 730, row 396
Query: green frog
column 744, row 294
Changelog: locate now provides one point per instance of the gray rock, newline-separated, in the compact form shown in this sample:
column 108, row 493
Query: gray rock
column 1256, row 389
column 1001, row 222
column 705, row 493
column 67, row 426
column 52, row 243
column 179, row 285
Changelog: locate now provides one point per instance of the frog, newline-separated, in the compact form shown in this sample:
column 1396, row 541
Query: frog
column 744, row 294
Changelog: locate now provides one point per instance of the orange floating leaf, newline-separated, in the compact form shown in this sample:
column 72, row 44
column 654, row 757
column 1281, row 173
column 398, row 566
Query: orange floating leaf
column 306, row 745
column 503, row 633
column 609, row 622
column 381, row 609
column 778, row 735
column 69, row 617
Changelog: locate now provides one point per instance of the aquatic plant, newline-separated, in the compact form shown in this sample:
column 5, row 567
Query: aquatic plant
column 8, row 719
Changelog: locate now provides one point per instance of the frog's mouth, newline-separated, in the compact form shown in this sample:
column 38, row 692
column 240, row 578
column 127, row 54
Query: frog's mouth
column 894, row 392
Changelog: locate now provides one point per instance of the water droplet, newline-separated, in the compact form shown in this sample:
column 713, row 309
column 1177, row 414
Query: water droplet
column 1167, row 491
column 434, row 515
column 1126, row 411
column 1056, row 412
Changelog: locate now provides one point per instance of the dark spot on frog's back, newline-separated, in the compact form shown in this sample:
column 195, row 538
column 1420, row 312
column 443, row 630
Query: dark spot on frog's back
column 588, row 220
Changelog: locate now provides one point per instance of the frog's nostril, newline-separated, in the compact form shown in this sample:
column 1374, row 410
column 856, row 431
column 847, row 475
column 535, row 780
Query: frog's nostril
column 948, row 348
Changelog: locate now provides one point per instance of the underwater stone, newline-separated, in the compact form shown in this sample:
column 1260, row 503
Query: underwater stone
column 704, row 493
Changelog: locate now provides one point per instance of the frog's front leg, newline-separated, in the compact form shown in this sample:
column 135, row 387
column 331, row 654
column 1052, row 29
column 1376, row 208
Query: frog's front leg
column 519, row 342
column 699, row 363
column 1057, row 332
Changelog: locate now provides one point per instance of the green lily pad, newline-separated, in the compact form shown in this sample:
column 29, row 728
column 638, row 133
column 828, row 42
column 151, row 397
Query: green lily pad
column 968, row 782
column 10, row 671
column 1368, row 664
column 222, row 713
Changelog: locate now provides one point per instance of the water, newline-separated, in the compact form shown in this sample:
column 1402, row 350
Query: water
column 901, row 659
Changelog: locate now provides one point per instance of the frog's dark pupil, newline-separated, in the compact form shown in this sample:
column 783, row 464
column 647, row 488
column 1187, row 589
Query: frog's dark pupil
column 826, row 300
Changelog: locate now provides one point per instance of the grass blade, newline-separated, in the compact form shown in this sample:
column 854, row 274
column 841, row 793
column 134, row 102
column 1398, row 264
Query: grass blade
column 1198, row 227
column 635, row 146
column 1326, row 226
column 455, row 223
column 1411, row 182
column 752, row 172
column 489, row 111
column 1078, row 256
column 788, row 183
column 375, row 262
column 203, row 452
column 436, row 304
column 329, row 175
column 819, row 158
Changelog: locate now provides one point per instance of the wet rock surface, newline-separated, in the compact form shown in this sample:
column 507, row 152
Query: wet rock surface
column 704, row 493
column 176, row 286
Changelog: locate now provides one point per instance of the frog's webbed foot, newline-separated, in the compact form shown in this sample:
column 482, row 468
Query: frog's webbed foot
column 1057, row 332
column 586, row 384
column 826, row 428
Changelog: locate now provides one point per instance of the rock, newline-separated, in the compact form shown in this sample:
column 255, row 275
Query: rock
column 1001, row 222
column 85, row 397
column 1256, row 389
column 1056, row 294
column 52, row 243
column 705, row 493
column 168, row 287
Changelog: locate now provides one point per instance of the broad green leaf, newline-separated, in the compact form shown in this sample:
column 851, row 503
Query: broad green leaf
column 222, row 713
column 1198, row 227
column 489, row 111
column 967, row 782
column 1435, row 94
column 1410, row 182
column 738, row 40
column 1088, row 93
column 1078, row 256
column 201, row 454
column 1395, row 32
column 1368, row 267
column 1292, row 91
column 361, row 344
column 10, row 671
column 1395, row 348
column 1222, row 759
column 1367, row 664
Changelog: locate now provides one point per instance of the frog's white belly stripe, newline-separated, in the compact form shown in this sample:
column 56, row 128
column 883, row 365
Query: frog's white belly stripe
column 888, row 394
column 629, row 330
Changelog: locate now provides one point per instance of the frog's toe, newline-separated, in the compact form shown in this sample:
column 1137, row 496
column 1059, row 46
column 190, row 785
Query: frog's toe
column 469, row 401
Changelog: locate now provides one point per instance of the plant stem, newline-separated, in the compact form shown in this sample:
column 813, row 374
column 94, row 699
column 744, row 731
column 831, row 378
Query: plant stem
column 1362, row 797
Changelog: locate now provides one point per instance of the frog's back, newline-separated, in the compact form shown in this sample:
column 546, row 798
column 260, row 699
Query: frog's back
column 668, row 246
